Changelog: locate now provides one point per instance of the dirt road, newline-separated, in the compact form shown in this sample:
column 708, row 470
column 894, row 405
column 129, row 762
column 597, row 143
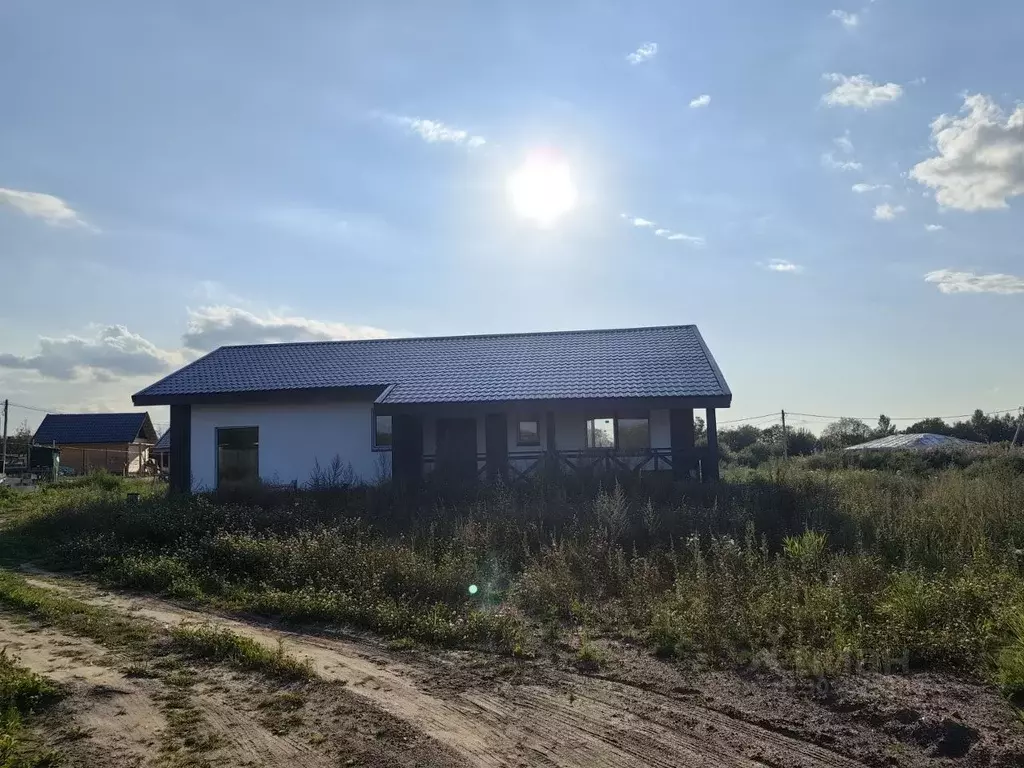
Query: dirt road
column 488, row 711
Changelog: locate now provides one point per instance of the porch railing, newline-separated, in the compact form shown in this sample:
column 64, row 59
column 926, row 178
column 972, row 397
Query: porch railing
column 522, row 464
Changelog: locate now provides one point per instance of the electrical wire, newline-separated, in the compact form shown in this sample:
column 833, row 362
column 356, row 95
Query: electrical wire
column 748, row 418
column 898, row 418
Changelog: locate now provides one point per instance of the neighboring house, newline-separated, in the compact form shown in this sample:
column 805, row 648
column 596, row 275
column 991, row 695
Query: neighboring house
column 464, row 406
column 161, row 452
column 919, row 442
column 116, row 442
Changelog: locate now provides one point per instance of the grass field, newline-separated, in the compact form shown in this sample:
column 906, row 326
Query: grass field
column 824, row 565
column 23, row 695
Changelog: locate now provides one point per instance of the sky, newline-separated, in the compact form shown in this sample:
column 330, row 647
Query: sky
column 832, row 191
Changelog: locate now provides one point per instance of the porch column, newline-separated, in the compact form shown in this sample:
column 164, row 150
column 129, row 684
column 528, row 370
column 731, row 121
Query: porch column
column 496, row 445
column 710, row 466
column 406, row 449
column 682, row 442
column 181, row 449
column 549, row 432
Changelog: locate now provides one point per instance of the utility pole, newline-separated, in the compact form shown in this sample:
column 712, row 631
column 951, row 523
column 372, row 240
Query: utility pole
column 785, row 436
column 3, row 451
column 1016, row 433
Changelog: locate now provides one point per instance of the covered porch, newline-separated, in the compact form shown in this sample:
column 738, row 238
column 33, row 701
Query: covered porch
column 514, row 440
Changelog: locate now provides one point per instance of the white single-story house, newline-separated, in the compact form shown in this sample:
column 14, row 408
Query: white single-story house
column 488, row 406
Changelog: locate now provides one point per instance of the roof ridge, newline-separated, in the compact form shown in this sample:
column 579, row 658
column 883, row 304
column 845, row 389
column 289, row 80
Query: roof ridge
column 138, row 414
column 518, row 334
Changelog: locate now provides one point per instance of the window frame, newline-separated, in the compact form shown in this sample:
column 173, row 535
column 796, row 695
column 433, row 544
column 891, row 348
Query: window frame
column 373, row 432
column 216, row 450
column 520, row 443
column 615, row 417
column 615, row 433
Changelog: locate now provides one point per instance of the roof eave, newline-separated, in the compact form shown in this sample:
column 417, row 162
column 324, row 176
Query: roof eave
column 262, row 396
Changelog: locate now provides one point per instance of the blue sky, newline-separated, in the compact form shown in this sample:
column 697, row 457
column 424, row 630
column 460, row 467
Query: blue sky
column 179, row 175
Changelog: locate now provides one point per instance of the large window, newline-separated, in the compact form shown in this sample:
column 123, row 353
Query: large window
column 601, row 433
column 382, row 433
column 238, row 455
column 528, row 433
column 634, row 435
column 628, row 435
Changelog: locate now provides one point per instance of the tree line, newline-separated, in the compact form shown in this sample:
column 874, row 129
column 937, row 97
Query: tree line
column 750, row 445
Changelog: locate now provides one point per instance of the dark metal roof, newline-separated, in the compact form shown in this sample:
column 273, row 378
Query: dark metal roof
column 163, row 445
column 74, row 428
column 663, row 362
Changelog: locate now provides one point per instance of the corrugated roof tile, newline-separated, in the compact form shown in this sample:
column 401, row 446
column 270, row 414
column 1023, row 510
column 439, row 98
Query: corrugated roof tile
column 75, row 428
column 670, row 361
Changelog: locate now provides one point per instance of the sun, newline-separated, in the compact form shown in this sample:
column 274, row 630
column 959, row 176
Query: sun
column 542, row 189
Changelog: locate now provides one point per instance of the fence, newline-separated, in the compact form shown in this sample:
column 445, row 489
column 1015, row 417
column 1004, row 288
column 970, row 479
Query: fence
column 80, row 460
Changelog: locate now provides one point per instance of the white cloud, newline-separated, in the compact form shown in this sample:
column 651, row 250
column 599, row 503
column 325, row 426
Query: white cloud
column 643, row 53
column 783, row 265
column 829, row 161
column 434, row 131
column 667, row 234
column 862, row 188
column 844, row 143
column 888, row 212
column 950, row 281
column 215, row 326
column 109, row 352
column 701, row 101
column 934, row 227
column 859, row 91
column 39, row 205
column 696, row 240
column 850, row 20
column 980, row 161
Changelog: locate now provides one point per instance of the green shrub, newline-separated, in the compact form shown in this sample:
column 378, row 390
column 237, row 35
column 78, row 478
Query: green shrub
column 22, row 693
column 830, row 555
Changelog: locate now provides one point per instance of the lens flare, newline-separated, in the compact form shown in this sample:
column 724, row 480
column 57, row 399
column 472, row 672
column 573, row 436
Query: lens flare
column 473, row 589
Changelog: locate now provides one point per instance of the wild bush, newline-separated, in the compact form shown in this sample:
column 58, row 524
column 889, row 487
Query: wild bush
column 789, row 557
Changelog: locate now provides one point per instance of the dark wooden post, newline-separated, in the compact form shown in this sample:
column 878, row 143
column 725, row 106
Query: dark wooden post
column 710, row 465
column 682, row 442
column 550, row 442
column 496, row 445
column 549, row 433
column 181, row 449
column 407, row 450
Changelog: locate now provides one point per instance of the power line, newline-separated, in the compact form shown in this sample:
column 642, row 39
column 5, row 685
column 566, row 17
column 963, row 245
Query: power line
column 900, row 418
column 34, row 408
column 748, row 418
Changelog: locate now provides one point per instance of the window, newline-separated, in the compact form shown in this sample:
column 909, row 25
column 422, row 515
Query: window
column 634, row 435
column 600, row 433
column 382, row 433
column 238, row 455
column 528, row 433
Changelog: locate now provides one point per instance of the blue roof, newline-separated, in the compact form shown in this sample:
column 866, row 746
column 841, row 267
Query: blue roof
column 670, row 361
column 74, row 428
column 163, row 445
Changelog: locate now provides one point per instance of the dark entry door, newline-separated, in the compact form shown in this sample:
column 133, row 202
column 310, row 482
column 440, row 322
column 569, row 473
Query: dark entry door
column 456, row 448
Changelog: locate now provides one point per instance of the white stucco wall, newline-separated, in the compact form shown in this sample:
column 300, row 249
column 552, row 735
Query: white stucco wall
column 291, row 439
column 661, row 434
